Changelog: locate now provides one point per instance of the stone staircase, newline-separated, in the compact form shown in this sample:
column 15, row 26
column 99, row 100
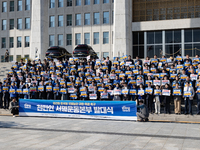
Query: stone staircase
column 4, row 68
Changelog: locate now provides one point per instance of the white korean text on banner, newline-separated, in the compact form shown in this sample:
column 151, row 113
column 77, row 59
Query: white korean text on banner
column 117, row 110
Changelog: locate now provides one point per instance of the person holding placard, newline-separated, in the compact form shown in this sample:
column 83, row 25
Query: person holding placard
column 188, row 97
column 65, row 95
column 140, row 90
column 177, row 99
column 34, row 92
column 130, row 60
column 125, row 92
column 12, row 90
column 166, row 92
column 110, row 91
column 149, row 97
column 157, row 93
column 73, row 90
column 84, row 94
column 117, row 93
column 138, row 60
column 188, row 59
column 56, row 91
column 176, row 81
column 133, row 94
column 105, row 96
column 42, row 90
column 95, row 94
column 21, row 86
column 26, row 92
column 49, row 91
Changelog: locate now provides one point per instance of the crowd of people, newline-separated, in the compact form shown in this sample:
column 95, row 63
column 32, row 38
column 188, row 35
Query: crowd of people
column 157, row 81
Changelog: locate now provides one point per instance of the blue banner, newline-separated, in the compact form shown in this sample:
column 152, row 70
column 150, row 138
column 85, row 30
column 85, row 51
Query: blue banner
column 118, row 110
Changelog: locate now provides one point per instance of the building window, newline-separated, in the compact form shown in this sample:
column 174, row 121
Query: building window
column 19, row 5
column 105, row 54
column 154, row 37
column 60, row 20
column 105, row 37
column 106, row 17
column 96, row 38
column 51, row 40
column 4, row 6
column 19, row 41
column 3, row 42
column 96, row 1
column 12, row 6
column 18, row 58
column 69, row 39
column 4, row 23
column 148, row 10
column 192, row 42
column 27, row 41
column 60, row 3
column 19, row 23
column 11, row 58
column 138, row 44
column 52, row 21
column 105, row 1
column 154, row 44
column 77, row 38
column 78, row 19
column 78, row 2
column 60, row 40
column 112, row 37
column 96, row 18
column 112, row 16
column 11, row 24
column 2, row 58
column 69, row 3
column 87, row 2
column 28, row 5
column 11, row 42
column 69, row 20
column 87, row 19
column 172, row 43
column 27, row 23
column 26, row 56
column 87, row 38
column 52, row 4
column 172, row 36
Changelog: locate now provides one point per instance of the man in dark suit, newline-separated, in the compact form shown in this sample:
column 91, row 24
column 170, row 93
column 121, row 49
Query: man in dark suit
column 42, row 94
column 109, row 63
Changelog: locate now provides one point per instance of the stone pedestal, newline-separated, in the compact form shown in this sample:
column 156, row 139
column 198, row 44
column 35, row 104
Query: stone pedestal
column 39, row 29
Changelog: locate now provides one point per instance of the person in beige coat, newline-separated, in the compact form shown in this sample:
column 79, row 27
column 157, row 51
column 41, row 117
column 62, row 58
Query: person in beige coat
column 177, row 101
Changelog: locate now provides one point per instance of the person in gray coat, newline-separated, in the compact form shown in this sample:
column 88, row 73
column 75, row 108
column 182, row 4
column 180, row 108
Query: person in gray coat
column 14, row 107
column 143, row 114
column 117, row 96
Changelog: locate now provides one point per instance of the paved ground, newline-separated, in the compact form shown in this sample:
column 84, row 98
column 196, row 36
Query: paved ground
column 153, row 117
column 60, row 133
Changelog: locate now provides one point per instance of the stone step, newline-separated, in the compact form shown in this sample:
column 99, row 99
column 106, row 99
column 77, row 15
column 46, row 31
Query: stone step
column 174, row 118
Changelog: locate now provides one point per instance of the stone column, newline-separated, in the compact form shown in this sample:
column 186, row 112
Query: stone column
column 122, row 28
column 39, row 29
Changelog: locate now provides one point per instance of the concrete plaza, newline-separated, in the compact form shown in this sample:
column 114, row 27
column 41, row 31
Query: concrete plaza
column 62, row 133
